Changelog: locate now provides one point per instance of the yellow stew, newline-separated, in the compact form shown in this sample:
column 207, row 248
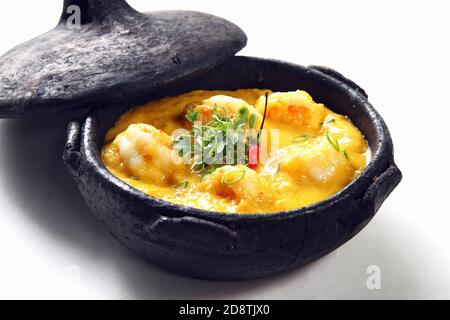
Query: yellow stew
column 206, row 149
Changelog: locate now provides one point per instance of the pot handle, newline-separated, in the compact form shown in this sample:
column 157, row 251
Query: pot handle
column 339, row 76
column 71, row 154
column 369, row 203
column 185, row 231
column 382, row 186
column 96, row 11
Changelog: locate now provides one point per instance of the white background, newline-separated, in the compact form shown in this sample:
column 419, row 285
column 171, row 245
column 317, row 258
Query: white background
column 398, row 51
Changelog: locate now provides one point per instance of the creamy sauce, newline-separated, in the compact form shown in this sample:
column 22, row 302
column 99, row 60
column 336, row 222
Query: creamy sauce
column 319, row 152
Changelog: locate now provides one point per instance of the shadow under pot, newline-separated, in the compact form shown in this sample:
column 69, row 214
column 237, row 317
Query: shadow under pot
column 222, row 246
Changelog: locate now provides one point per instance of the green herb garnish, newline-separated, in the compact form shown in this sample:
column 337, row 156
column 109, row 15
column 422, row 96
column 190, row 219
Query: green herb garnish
column 192, row 115
column 233, row 176
column 222, row 140
column 182, row 185
column 300, row 138
column 206, row 173
column 331, row 120
column 333, row 141
column 346, row 155
column 252, row 120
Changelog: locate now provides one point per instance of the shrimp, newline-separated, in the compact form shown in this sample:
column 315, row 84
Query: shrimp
column 241, row 185
column 226, row 106
column 294, row 108
column 148, row 155
column 315, row 161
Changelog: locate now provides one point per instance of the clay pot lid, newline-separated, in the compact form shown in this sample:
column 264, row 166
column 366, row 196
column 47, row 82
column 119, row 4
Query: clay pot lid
column 114, row 55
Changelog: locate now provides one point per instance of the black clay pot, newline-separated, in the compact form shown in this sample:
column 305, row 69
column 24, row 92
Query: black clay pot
column 119, row 58
column 215, row 245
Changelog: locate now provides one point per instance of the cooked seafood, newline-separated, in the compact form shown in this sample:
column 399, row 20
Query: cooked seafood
column 205, row 149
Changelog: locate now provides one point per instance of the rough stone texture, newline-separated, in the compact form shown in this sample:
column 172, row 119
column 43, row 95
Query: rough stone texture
column 117, row 53
column 215, row 245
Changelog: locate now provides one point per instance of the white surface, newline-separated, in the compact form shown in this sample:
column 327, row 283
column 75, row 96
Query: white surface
column 52, row 247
